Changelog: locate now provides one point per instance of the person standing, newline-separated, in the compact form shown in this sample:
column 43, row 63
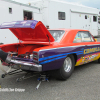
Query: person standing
column 25, row 17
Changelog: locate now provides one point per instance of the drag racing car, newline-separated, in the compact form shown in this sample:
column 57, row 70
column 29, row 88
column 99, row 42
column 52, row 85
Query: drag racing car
column 42, row 50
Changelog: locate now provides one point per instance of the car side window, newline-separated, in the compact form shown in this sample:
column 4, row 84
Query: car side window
column 57, row 34
column 83, row 36
column 86, row 37
column 78, row 38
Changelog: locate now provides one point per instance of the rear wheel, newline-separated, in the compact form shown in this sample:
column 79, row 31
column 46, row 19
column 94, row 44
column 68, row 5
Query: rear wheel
column 66, row 70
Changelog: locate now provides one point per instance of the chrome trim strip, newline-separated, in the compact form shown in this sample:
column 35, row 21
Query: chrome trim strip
column 61, row 47
column 93, row 44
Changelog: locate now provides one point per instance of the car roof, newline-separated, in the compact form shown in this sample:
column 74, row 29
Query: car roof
column 68, row 29
column 69, row 34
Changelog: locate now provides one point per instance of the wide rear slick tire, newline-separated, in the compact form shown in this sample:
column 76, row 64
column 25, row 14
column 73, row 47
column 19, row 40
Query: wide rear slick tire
column 67, row 69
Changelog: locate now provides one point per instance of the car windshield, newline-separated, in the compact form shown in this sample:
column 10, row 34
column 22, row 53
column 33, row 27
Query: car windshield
column 57, row 34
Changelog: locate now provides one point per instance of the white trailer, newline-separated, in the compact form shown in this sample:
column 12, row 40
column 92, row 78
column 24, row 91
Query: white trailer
column 14, row 11
column 55, row 13
column 61, row 14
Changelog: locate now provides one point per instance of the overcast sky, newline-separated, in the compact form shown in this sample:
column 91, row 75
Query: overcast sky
column 90, row 3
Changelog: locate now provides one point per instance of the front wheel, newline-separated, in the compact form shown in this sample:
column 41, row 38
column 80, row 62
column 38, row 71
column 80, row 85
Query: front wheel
column 66, row 70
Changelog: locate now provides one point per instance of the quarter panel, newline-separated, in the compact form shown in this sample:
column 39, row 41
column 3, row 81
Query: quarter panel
column 52, row 59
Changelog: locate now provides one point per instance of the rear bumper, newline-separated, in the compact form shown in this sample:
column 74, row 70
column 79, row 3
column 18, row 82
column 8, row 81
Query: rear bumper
column 26, row 65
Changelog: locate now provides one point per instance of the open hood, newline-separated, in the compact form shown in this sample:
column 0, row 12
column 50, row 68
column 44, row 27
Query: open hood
column 30, row 30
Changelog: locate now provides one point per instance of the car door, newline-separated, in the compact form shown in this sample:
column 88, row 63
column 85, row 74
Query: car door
column 88, row 45
column 91, row 51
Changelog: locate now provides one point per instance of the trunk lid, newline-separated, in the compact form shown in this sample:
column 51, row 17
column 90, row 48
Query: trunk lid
column 30, row 30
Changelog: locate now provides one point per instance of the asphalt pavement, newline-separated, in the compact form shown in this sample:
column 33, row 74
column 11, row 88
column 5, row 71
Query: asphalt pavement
column 84, row 84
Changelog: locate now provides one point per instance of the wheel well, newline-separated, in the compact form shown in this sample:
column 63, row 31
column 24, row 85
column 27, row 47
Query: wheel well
column 75, row 57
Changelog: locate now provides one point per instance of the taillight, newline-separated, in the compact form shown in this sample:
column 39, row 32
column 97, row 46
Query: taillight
column 35, row 53
column 31, row 56
column 35, row 56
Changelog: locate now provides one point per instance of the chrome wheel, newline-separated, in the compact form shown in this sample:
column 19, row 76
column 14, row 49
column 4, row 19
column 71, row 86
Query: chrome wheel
column 67, row 64
column 67, row 68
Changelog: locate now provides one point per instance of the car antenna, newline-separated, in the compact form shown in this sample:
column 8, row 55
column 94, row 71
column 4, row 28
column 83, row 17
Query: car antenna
column 48, row 39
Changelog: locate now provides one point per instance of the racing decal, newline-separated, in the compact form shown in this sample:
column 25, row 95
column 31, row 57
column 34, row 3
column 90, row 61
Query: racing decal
column 64, row 54
column 56, row 57
column 88, row 58
column 91, row 50
column 84, row 59
column 47, row 61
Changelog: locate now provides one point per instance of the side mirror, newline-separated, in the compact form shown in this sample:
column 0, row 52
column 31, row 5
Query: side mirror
column 95, row 40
